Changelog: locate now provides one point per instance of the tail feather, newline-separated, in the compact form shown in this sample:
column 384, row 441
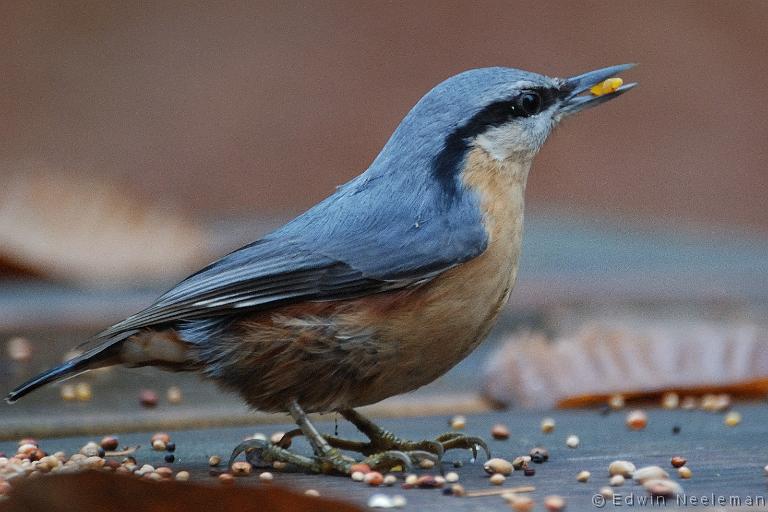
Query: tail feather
column 94, row 358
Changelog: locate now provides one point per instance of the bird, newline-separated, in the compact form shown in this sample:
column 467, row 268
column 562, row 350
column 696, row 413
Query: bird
column 375, row 291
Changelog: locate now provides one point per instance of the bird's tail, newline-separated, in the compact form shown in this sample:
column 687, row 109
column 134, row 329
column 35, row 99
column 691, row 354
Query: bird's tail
column 103, row 354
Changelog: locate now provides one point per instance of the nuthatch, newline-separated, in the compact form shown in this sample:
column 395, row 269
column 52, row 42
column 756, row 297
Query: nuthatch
column 377, row 290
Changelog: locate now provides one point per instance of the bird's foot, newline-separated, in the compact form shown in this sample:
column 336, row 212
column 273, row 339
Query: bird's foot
column 263, row 453
column 457, row 440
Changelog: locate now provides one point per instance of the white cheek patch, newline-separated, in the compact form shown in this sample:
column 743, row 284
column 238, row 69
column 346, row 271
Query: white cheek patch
column 518, row 139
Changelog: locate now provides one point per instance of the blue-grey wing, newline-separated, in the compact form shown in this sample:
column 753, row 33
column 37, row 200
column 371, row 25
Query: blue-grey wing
column 355, row 243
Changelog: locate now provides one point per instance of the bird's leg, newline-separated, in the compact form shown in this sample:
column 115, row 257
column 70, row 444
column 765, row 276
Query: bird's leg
column 327, row 458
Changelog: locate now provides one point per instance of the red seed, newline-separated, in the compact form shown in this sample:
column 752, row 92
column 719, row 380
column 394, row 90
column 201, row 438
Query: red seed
column 678, row 461
column 110, row 443
column 148, row 398
column 500, row 432
column 363, row 468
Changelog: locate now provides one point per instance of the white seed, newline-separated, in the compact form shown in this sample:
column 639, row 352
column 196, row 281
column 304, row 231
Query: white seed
column 358, row 476
column 663, row 487
column 606, row 492
column 312, row 492
column 174, row 395
column 572, row 441
column 458, row 422
column 182, row 476
column 554, row 503
column 689, row 403
column 158, row 445
column 497, row 479
column 90, row 449
column 616, row 481
column 68, row 392
column 266, row 476
column 426, row 464
column 616, row 402
column 621, row 467
column 642, row 475
column 583, row 476
column 500, row 466
column 670, row 400
column 547, row 425
column 637, row 420
column 411, row 479
column 19, row 349
column 390, row 480
column 213, row 460
column 451, row 477
column 732, row 419
column 380, row 501
column 399, row 501
column 684, row 472
column 276, row 437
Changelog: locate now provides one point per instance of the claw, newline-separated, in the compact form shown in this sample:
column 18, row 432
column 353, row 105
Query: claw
column 393, row 457
column 247, row 446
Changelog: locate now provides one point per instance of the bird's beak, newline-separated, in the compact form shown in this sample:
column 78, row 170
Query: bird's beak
column 571, row 88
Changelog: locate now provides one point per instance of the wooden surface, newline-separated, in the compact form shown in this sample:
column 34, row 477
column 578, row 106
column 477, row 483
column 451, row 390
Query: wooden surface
column 726, row 461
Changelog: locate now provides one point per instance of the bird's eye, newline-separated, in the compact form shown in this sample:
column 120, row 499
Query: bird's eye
column 530, row 103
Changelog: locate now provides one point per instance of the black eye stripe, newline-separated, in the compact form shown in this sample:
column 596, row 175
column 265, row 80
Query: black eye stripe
column 447, row 162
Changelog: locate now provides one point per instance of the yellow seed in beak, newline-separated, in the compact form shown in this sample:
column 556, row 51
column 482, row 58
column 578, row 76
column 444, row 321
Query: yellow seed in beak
column 606, row 86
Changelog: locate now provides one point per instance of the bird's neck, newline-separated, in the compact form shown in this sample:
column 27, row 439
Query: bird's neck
column 500, row 187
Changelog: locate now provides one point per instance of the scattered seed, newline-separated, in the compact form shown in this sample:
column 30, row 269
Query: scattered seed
column 83, row 391
column 67, row 392
column 427, row 482
column 583, row 476
column 689, row 403
column 458, row 422
column 547, row 425
column 616, row 402
column 19, row 349
column 500, row 432
column 380, row 501
column 498, row 466
column 606, row 492
column 678, row 461
column 716, row 403
column 411, row 479
column 161, row 436
column 374, row 478
column 637, row 420
column 765, row 470
column 646, row 473
column 174, row 395
column 357, row 476
column 457, row 490
column 732, row 419
column 110, row 443
column 519, row 503
column 670, row 400
column 457, row 463
column 520, row 462
column 266, row 476
column 312, row 492
column 91, row 449
column 539, row 455
column 554, row 503
column 148, row 398
column 663, row 487
column 399, row 501
column 426, row 464
column 171, row 447
column 529, row 471
column 616, row 481
column 572, row 441
column 164, row 471
column 451, row 477
column 279, row 465
column 390, row 480
column 676, row 429
column 276, row 437
column 158, row 445
column 684, row 472
column 226, row 478
column 182, row 476
column 241, row 468
column 214, row 460
column 169, row 458
column 362, row 468
column 497, row 479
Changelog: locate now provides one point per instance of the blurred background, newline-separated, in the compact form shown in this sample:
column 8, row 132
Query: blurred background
column 141, row 141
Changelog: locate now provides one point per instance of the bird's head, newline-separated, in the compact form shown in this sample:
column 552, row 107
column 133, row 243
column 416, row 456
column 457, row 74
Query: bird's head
column 507, row 112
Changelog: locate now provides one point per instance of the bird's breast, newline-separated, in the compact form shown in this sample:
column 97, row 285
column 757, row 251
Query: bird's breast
column 438, row 324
